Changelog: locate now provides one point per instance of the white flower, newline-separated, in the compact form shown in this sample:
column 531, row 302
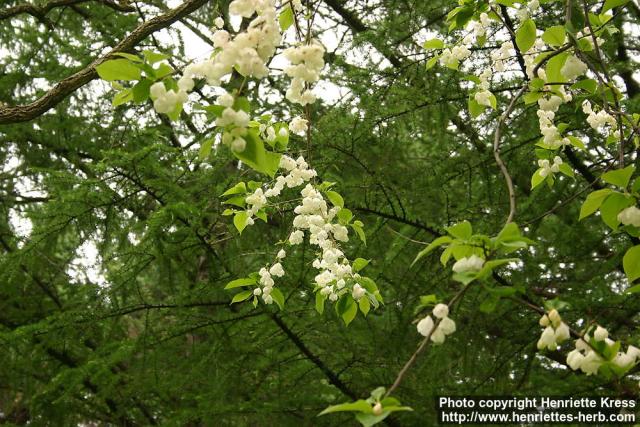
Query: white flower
column 600, row 334
column 591, row 363
column 257, row 291
column 573, row 68
column 544, row 321
column 441, row 311
column 296, row 237
column 483, row 97
column 298, row 125
column 219, row 22
column 226, row 100
column 473, row 263
column 562, row 333
column 281, row 254
column 276, row 270
column 630, row 216
column 358, row 292
column 437, row 336
column 425, row 326
column 633, row 351
column 447, row 326
column 547, row 339
column 574, row 359
column 623, row 360
column 554, row 316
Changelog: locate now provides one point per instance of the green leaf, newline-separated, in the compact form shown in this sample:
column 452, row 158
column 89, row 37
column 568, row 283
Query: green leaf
column 368, row 420
column 239, row 188
column 431, row 62
column 537, row 179
column 344, row 216
column 153, row 57
column 461, row 230
column 357, row 406
column 631, row 263
column 320, row 299
column 364, row 305
column 566, row 169
column 588, row 85
column 118, row 69
column 526, row 35
column 475, row 109
column 335, row 198
column 532, row 97
column 128, row 56
column 593, row 202
column 577, row 142
column 554, row 36
column 141, row 90
column 433, row 44
column 357, row 227
column 286, row 18
column 238, row 201
column 610, row 4
column 240, row 221
column 554, row 67
column 619, row 177
column 205, row 149
column 442, row 240
column 122, row 97
column 612, row 206
column 351, row 309
column 509, row 231
column 359, row 264
column 255, row 155
column 238, row 283
column 242, row 103
column 241, row 296
column 162, row 71
column 278, row 298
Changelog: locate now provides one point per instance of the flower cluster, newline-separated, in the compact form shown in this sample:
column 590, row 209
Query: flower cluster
column 335, row 270
column 548, row 106
column 526, row 10
column 499, row 56
column 297, row 173
column 165, row 101
column 266, row 278
column 247, row 52
column 446, row 325
column 306, row 63
column 547, row 168
column 452, row 57
column 234, row 123
column 630, row 216
column 555, row 331
column 600, row 121
column 585, row 358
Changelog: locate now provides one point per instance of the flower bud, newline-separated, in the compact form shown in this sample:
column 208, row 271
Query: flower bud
column 377, row 409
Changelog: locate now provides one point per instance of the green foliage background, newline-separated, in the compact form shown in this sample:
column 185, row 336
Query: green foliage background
column 160, row 344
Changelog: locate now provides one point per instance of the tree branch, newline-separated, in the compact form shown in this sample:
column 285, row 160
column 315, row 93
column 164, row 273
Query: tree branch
column 23, row 113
